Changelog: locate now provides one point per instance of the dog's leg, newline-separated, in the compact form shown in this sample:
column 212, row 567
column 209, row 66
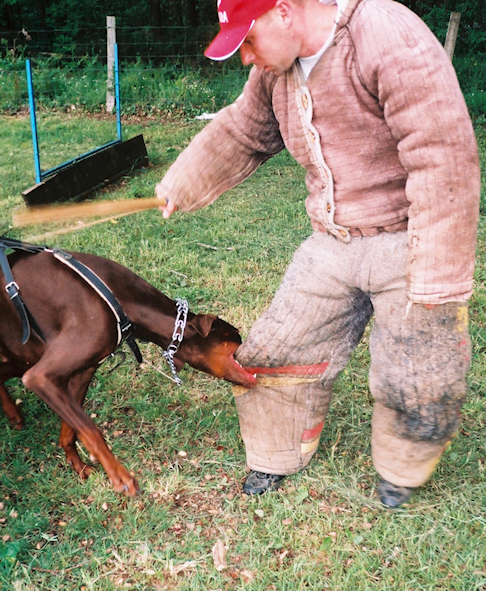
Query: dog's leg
column 77, row 388
column 67, row 440
column 45, row 379
column 11, row 410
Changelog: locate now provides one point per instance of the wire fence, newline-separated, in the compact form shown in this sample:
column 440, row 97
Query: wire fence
column 179, row 43
column 162, row 70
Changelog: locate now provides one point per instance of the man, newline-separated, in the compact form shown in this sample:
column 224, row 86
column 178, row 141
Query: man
column 364, row 97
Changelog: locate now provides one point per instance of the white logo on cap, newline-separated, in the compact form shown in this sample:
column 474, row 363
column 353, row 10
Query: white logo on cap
column 223, row 17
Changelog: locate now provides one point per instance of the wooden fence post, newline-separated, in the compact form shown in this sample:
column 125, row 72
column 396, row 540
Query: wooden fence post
column 110, row 55
column 452, row 29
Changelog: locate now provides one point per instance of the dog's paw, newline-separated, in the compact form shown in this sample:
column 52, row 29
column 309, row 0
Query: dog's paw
column 125, row 483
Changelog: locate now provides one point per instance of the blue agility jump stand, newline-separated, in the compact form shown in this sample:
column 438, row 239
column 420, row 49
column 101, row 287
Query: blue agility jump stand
column 80, row 176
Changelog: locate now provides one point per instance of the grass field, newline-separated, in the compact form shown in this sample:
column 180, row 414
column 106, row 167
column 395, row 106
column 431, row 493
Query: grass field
column 325, row 530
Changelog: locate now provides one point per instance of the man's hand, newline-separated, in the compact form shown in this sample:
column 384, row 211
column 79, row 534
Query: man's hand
column 166, row 207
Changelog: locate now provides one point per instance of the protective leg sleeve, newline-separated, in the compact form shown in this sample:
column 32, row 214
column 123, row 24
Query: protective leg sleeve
column 398, row 459
column 418, row 379
column 281, row 421
column 317, row 315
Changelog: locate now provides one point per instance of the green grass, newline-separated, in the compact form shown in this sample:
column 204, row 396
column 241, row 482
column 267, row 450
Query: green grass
column 326, row 529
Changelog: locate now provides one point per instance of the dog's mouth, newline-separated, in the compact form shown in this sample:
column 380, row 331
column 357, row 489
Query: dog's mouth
column 247, row 379
column 225, row 366
column 219, row 361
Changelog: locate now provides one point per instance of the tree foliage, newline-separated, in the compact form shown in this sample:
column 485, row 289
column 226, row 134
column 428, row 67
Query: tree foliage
column 72, row 14
column 472, row 31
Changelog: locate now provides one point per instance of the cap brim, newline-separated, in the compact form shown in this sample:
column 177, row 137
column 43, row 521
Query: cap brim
column 227, row 42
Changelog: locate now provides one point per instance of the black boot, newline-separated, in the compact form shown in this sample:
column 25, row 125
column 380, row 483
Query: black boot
column 393, row 496
column 257, row 483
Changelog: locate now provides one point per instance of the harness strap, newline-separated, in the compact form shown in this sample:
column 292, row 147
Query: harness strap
column 13, row 292
column 19, row 245
column 124, row 325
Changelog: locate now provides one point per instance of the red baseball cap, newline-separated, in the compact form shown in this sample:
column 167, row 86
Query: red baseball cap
column 236, row 18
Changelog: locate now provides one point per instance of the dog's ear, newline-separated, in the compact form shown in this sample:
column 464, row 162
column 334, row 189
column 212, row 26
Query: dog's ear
column 203, row 323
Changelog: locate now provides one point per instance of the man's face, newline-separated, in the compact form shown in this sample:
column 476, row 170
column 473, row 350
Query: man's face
column 269, row 45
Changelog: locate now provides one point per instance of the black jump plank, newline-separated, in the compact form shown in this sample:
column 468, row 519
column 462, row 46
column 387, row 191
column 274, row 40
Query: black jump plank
column 83, row 177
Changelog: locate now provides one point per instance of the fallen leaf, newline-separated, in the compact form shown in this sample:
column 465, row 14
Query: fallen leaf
column 247, row 575
column 176, row 569
column 219, row 556
column 259, row 512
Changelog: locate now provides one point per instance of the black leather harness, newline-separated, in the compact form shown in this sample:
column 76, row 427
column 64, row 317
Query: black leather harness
column 12, row 288
column 124, row 324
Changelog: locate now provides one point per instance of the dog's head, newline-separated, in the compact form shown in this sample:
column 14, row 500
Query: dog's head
column 209, row 345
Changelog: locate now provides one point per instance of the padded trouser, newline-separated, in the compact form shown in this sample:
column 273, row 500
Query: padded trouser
column 419, row 359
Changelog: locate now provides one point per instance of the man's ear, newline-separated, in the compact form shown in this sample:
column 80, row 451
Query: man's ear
column 285, row 10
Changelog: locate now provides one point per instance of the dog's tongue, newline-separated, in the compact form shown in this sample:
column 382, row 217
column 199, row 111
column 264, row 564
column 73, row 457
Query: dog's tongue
column 242, row 376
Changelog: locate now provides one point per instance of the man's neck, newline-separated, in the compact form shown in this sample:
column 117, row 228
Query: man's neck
column 317, row 21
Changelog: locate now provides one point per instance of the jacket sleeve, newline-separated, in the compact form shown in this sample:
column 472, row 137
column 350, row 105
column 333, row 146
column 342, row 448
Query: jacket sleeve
column 406, row 68
column 226, row 152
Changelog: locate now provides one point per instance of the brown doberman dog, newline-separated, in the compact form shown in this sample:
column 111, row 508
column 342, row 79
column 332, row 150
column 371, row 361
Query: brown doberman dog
column 79, row 330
